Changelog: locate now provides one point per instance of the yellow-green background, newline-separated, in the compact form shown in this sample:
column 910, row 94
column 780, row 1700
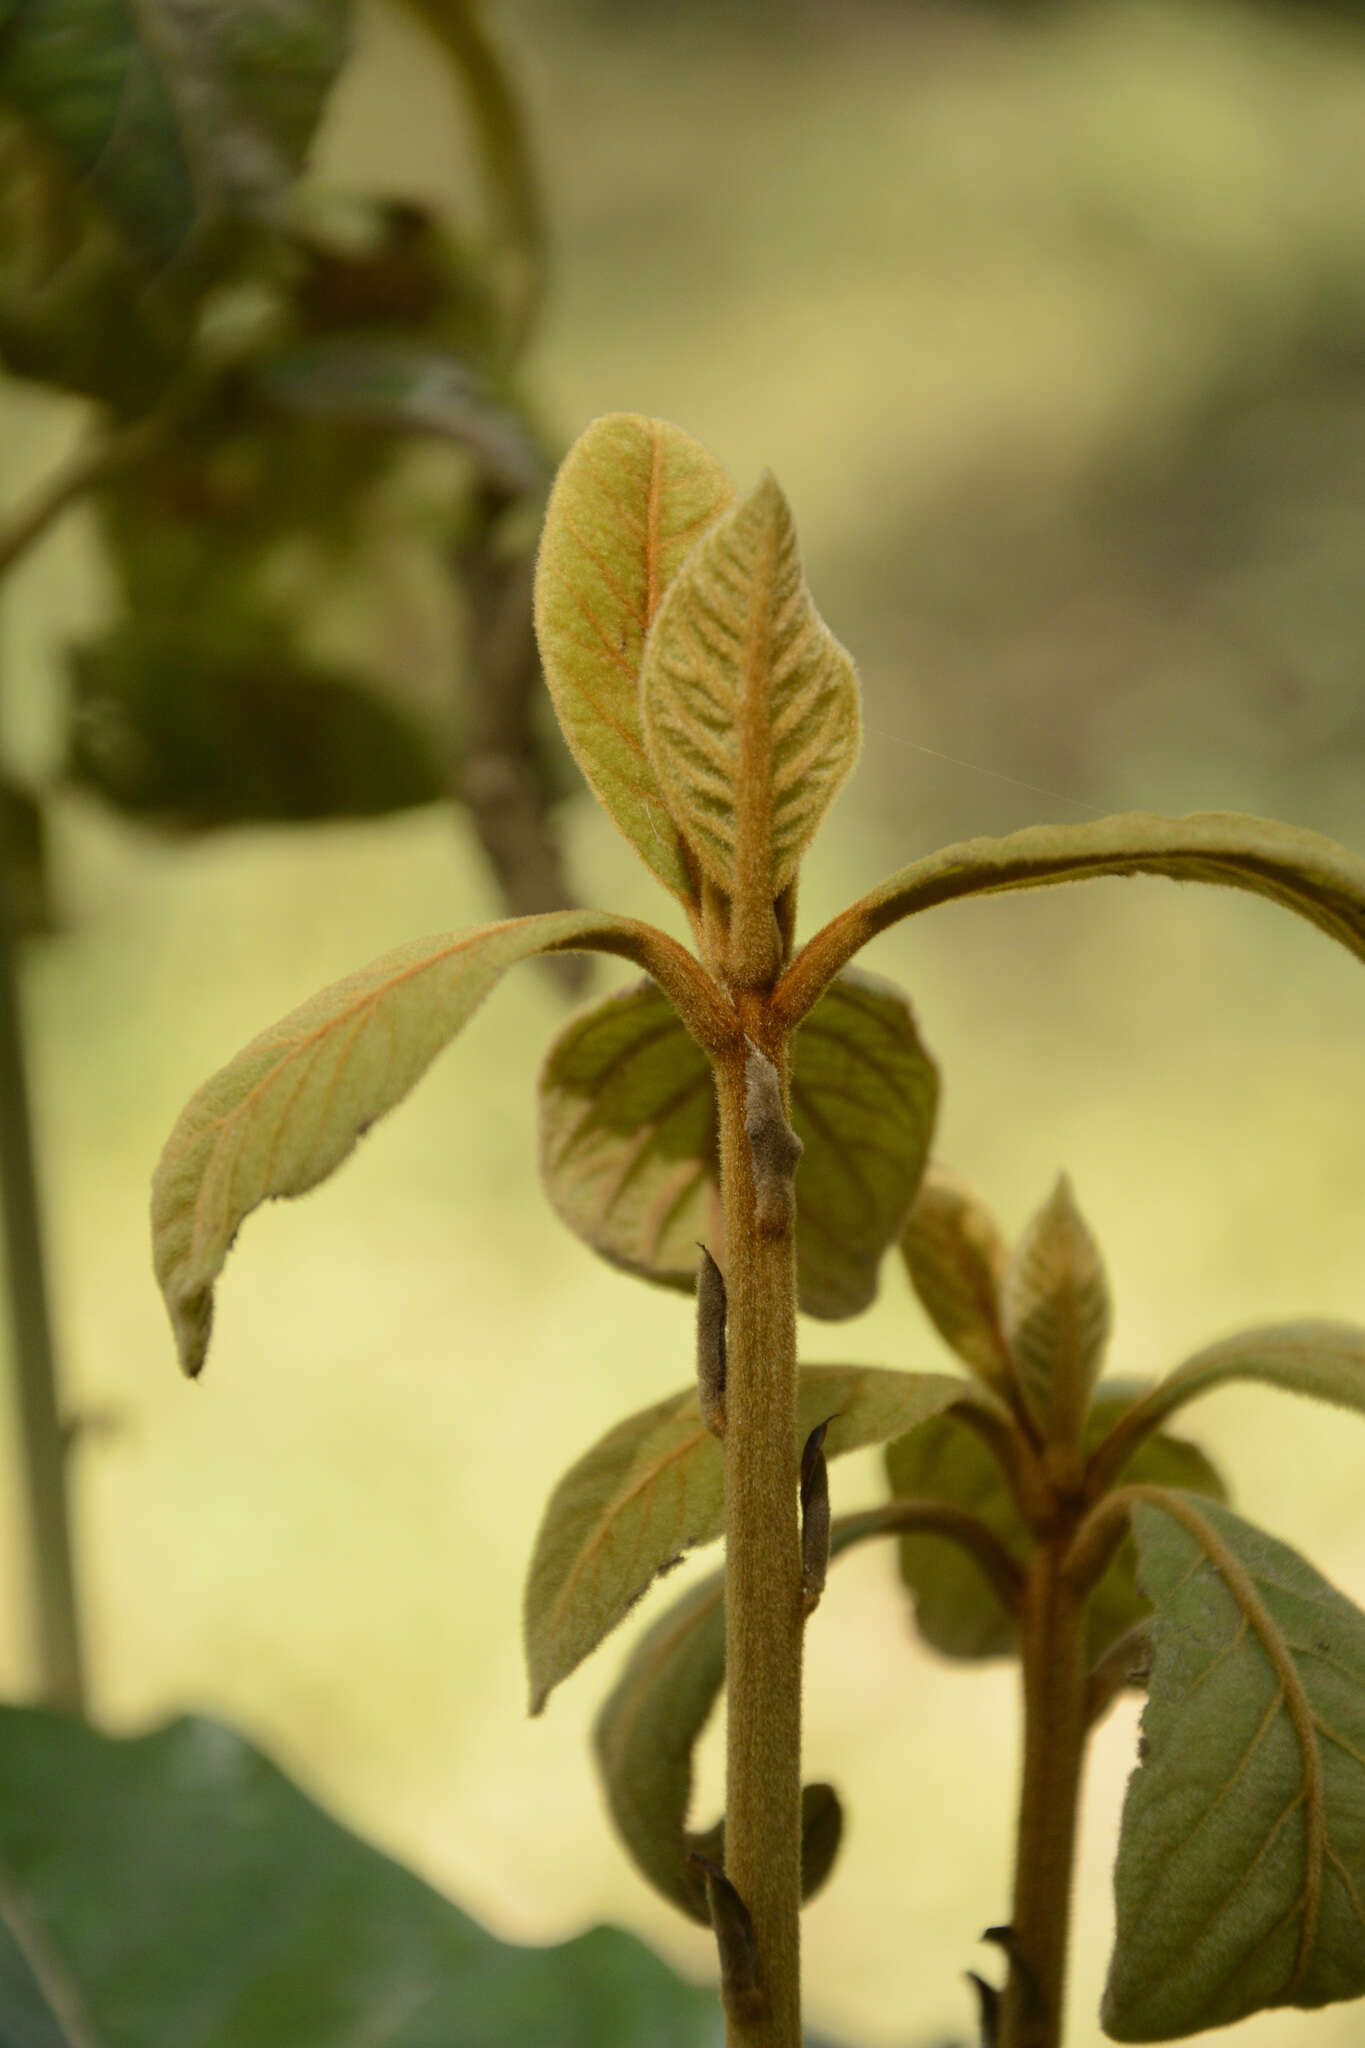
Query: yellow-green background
column 981, row 289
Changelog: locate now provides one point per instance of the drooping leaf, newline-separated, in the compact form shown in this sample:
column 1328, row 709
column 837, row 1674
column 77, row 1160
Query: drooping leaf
column 956, row 1259
column 629, row 1146
column 644, row 1738
column 288, row 1109
column 1056, row 1312
column 751, row 709
column 1240, row 1881
column 957, row 1610
column 632, row 496
column 175, row 116
column 194, row 731
column 176, row 1887
column 1302, row 871
column 651, row 1490
column 403, row 387
column 1323, row 1360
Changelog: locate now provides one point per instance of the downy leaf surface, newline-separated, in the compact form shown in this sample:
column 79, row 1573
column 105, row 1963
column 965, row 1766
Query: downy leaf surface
column 633, row 495
column 956, row 1259
column 1240, row 1881
column 1056, row 1312
column 651, row 1490
column 751, row 709
column 173, row 115
column 288, row 1109
column 956, row 1608
column 629, row 1144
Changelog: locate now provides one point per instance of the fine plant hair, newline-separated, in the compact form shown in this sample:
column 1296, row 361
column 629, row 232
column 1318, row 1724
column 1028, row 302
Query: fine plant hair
column 753, row 1120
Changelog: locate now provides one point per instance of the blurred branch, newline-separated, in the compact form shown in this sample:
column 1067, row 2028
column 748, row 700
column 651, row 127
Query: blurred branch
column 103, row 458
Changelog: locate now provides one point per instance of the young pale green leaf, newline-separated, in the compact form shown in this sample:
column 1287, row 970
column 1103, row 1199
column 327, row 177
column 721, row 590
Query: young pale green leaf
column 651, row 1490
column 1304, row 872
column 1056, row 1314
column 173, row 115
column 751, row 712
column 644, row 1738
column 956, row 1259
column 287, row 1110
column 629, row 1145
column 632, row 496
column 1240, row 1881
column 958, row 1611
column 1325, row 1361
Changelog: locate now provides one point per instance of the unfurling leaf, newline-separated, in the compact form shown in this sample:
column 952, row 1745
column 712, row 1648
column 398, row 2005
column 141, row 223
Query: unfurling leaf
column 1240, row 1881
column 1056, row 1313
column 651, row 1489
column 774, row 1148
column 711, row 1344
column 751, row 715
column 956, row 1259
column 632, row 496
column 1302, row 871
column 173, row 116
column 644, row 1738
column 629, row 1147
column 288, row 1109
column 958, row 1611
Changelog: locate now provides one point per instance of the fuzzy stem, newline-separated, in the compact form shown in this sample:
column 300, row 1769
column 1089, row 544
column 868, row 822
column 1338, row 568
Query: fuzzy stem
column 762, row 1582
column 44, row 1454
column 1052, row 1645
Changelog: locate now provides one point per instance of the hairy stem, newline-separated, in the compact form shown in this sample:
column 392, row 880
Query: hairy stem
column 762, row 1582
column 44, row 1457
column 1052, row 1644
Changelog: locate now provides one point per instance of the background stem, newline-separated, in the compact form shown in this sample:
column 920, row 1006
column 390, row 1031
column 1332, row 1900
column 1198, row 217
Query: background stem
column 43, row 1447
column 762, row 1583
column 1052, row 1641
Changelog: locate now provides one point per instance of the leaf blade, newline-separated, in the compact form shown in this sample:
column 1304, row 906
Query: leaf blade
column 285, row 1113
column 1056, row 1314
column 1255, row 1764
column 631, row 497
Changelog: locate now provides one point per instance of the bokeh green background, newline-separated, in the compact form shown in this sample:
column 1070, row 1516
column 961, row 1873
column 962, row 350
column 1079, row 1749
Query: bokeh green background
column 1052, row 323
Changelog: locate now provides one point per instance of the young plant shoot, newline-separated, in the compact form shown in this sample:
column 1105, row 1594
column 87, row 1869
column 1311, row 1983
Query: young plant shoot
column 752, row 1120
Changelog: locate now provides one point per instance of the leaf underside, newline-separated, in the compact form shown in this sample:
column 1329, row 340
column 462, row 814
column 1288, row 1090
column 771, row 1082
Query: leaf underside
column 957, row 1610
column 1055, row 1309
column 956, row 1259
column 1323, row 1360
column 632, row 496
column 629, row 1138
column 751, row 710
column 1240, row 1881
column 651, row 1489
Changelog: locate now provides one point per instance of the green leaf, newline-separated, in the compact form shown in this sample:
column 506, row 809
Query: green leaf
column 629, row 1144
column 957, row 1610
column 198, row 731
column 173, row 115
column 1240, row 1881
column 751, row 709
column 1306, row 873
column 956, row 1259
column 1056, row 1312
column 633, row 495
column 288, row 1109
column 1325, row 1361
column 176, row 1887
column 651, row 1490
column 407, row 388
column 644, row 1738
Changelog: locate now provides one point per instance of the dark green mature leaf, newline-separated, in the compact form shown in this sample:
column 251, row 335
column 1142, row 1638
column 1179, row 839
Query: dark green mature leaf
column 629, row 1147
column 173, row 114
column 408, row 388
column 176, row 1888
column 651, row 1490
column 956, row 1259
column 644, row 1739
column 197, row 732
column 957, row 1610
column 1240, row 1881
column 288, row 1109
column 1056, row 1312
